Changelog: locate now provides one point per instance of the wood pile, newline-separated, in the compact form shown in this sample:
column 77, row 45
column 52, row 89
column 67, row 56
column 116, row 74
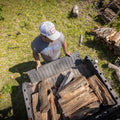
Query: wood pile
column 76, row 98
column 110, row 12
column 110, row 37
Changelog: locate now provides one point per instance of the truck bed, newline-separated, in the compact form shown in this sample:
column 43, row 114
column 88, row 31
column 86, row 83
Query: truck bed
column 53, row 72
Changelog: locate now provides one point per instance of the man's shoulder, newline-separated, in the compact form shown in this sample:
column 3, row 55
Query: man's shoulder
column 61, row 35
column 61, row 38
column 36, row 42
column 37, row 39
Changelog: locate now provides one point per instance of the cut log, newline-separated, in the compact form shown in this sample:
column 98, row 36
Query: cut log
column 117, row 44
column 111, row 37
column 76, row 95
column 109, row 13
column 117, row 70
column 43, row 100
column 86, row 111
column 65, row 99
column 36, row 113
column 44, row 116
column 78, row 102
column 66, row 80
column 116, row 38
column 114, row 6
column 55, row 115
column 101, row 91
column 73, row 85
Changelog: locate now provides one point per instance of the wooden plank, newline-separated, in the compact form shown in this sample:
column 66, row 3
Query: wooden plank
column 101, row 91
column 36, row 113
column 43, row 100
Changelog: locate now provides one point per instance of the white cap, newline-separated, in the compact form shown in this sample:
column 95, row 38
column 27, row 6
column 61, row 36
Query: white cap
column 48, row 29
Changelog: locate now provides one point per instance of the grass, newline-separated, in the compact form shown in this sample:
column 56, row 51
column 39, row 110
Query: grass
column 19, row 23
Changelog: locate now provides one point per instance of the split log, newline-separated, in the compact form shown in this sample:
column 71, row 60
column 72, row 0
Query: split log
column 44, row 116
column 108, row 13
column 43, row 100
column 117, row 70
column 65, row 99
column 66, row 80
column 117, row 45
column 73, row 85
column 116, row 37
column 86, row 111
column 115, row 6
column 101, row 91
column 55, row 115
column 36, row 113
column 78, row 102
column 76, row 95
column 110, row 37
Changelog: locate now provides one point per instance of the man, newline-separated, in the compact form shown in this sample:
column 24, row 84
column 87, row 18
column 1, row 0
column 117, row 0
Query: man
column 48, row 44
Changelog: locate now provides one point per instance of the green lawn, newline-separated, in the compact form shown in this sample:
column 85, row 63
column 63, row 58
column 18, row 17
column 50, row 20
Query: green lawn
column 19, row 25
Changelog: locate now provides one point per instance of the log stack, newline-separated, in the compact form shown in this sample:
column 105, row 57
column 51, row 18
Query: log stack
column 110, row 37
column 79, row 99
column 110, row 12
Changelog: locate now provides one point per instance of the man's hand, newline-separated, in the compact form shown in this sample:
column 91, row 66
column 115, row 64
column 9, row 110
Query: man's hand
column 67, row 54
column 38, row 65
column 65, row 49
column 37, row 59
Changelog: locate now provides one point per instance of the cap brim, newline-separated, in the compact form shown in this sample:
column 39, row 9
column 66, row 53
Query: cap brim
column 55, row 36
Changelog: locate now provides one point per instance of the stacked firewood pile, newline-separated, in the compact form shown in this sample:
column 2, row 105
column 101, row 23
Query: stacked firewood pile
column 74, row 98
column 110, row 37
column 110, row 12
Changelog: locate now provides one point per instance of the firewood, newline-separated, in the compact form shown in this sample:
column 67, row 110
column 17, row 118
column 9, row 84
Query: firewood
column 76, row 95
column 78, row 102
column 55, row 115
column 36, row 113
column 86, row 111
column 66, row 80
column 66, row 98
column 117, row 70
column 117, row 44
column 115, row 6
column 101, row 91
column 44, row 116
column 110, row 37
column 73, row 85
column 109, row 13
column 116, row 37
column 44, row 104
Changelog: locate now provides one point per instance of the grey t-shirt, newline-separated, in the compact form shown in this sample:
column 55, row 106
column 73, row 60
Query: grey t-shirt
column 49, row 51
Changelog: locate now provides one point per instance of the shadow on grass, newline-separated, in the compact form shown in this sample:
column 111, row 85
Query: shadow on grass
column 18, row 104
column 102, row 49
column 104, row 53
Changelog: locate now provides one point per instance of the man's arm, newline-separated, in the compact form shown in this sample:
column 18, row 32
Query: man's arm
column 65, row 48
column 37, row 59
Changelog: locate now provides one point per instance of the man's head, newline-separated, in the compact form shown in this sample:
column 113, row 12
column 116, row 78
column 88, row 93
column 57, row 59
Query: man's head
column 48, row 30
